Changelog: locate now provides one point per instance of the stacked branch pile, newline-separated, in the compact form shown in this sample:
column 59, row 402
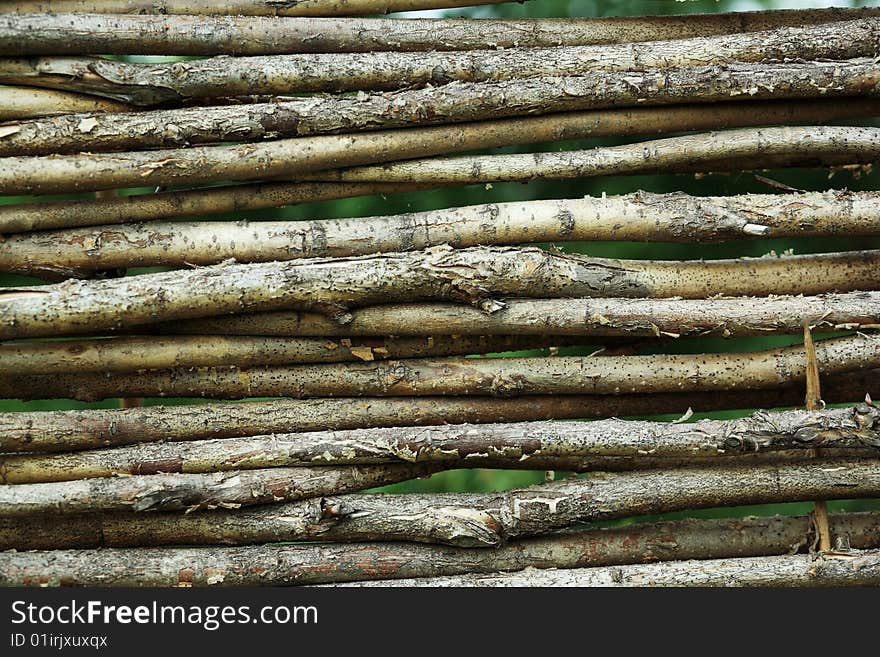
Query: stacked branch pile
column 366, row 333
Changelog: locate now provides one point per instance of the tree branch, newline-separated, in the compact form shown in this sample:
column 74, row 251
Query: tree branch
column 462, row 519
column 496, row 377
column 153, row 84
column 475, row 275
column 314, row 159
column 74, row 34
column 509, row 446
column 53, row 431
column 466, row 102
column 639, row 217
column 239, row 7
column 157, row 490
column 594, row 317
column 730, row 150
column 149, row 207
column 284, row 565
column 133, row 354
column 18, row 103
column 844, row 569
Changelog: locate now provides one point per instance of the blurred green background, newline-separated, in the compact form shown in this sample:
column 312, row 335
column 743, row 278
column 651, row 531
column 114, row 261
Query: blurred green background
column 482, row 480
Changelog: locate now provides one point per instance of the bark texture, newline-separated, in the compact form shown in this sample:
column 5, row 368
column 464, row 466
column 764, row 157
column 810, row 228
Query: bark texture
column 493, row 377
column 154, row 353
column 153, row 84
column 851, row 568
column 729, row 150
column 597, row 317
column 470, row 445
column 75, row 34
column 476, row 275
column 465, row 520
column 647, row 120
column 54, row 431
column 17, row 103
column 240, row 7
column 158, row 490
column 776, row 84
column 642, row 216
column 285, row 565
column 322, row 159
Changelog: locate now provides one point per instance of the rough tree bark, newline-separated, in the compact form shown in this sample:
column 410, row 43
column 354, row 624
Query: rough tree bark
column 54, row 431
column 75, row 34
column 132, row 354
column 851, row 568
column 240, row 7
column 475, row 275
column 152, row 84
column 639, row 217
column 469, row 446
column 648, row 120
column 730, row 150
column 321, row 158
column 284, row 565
column 463, row 519
column 594, row 317
column 495, row 377
column 156, row 490
column 465, row 102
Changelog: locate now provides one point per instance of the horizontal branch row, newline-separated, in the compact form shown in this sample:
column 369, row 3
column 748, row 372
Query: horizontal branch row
column 453, row 103
column 284, row 565
column 238, row 7
column 495, row 377
column 851, row 568
column 196, row 202
column 641, row 217
column 155, row 84
column 593, row 317
column 54, row 431
column 461, row 519
column 475, row 275
column 131, row 354
column 75, row 34
column 512, row 445
column 314, row 159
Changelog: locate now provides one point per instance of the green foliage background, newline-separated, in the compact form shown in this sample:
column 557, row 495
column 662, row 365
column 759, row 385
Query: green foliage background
column 481, row 480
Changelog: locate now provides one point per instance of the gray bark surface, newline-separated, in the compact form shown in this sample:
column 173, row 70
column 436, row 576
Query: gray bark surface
column 494, row 377
column 510, row 445
column 75, row 34
column 54, row 431
column 152, row 84
column 157, row 490
column 853, row 568
column 774, row 83
column 465, row 519
column 642, row 216
column 284, row 565
column 594, row 317
column 477, row 275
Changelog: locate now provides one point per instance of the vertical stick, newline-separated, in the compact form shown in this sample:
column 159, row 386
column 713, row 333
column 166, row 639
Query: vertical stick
column 814, row 402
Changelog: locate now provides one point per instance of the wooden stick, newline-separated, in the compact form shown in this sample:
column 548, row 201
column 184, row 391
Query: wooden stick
column 476, row 275
column 594, row 317
column 53, row 431
column 494, row 377
column 465, row 519
column 852, row 568
column 155, row 84
column 639, row 217
column 595, row 444
column 284, row 565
